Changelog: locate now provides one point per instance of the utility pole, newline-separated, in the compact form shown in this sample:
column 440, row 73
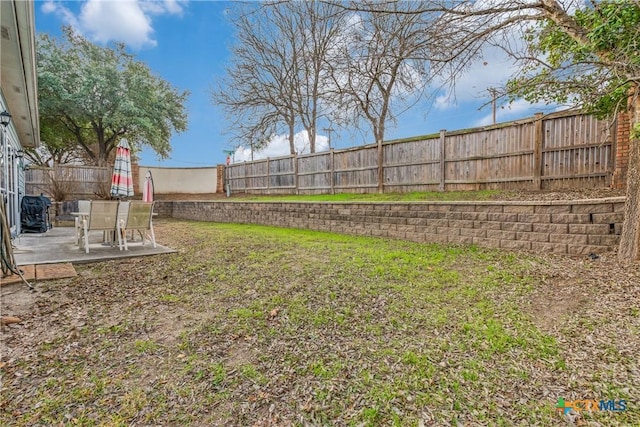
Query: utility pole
column 329, row 130
column 494, row 93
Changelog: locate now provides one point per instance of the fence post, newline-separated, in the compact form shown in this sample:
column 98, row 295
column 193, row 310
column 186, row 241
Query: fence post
column 268, row 177
column 443, row 169
column 246, row 180
column 380, row 167
column 295, row 172
column 332, row 170
column 537, row 150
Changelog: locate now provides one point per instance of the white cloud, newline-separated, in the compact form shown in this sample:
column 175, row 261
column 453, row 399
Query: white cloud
column 62, row 12
column 126, row 21
column 171, row 7
column 48, row 7
column 279, row 146
column 491, row 71
column 493, row 66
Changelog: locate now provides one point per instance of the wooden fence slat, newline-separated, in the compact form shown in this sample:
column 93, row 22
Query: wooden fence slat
column 538, row 145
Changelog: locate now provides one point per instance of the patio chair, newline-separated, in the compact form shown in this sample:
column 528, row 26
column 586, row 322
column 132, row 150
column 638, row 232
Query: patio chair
column 139, row 218
column 103, row 216
column 83, row 209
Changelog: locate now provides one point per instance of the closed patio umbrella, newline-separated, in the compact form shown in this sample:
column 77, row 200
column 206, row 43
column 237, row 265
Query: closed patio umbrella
column 122, row 180
column 147, row 189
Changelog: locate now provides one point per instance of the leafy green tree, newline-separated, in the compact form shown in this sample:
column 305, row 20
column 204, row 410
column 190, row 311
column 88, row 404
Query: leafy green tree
column 596, row 66
column 57, row 146
column 90, row 97
column 590, row 58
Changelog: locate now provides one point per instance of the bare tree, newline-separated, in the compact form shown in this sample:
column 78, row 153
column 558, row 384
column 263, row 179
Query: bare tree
column 45, row 156
column 316, row 26
column 379, row 67
column 303, row 62
column 277, row 71
column 258, row 91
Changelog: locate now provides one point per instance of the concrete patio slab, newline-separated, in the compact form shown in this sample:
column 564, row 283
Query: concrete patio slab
column 58, row 245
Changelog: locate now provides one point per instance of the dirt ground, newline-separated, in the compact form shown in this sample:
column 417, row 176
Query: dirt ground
column 569, row 291
column 549, row 195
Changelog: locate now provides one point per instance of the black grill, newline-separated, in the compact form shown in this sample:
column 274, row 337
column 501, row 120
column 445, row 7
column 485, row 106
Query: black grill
column 34, row 214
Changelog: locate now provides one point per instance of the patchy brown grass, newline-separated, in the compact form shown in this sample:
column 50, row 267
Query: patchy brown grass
column 512, row 195
column 259, row 326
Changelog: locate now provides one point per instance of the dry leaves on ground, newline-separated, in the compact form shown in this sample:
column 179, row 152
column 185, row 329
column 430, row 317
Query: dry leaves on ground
column 256, row 326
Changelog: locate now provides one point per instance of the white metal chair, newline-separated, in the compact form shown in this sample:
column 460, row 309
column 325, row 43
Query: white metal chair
column 139, row 218
column 103, row 216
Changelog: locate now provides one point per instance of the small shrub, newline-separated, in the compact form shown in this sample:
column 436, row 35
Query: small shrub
column 60, row 184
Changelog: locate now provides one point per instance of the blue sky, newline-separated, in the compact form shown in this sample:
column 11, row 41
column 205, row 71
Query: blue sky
column 186, row 43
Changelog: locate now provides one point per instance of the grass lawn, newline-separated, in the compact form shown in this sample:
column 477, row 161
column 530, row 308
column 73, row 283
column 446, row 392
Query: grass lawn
column 435, row 196
column 384, row 197
column 261, row 326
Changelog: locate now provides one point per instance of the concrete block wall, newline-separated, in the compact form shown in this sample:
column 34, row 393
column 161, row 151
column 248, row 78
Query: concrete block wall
column 564, row 227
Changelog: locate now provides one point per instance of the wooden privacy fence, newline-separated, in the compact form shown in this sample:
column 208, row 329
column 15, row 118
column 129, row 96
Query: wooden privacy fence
column 560, row 150
column 68, row 182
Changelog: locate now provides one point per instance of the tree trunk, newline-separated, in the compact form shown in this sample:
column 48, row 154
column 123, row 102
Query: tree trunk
column 312, row 138
column 379, row 134
column 629, row 248
column 292, row 145
column 380, row 166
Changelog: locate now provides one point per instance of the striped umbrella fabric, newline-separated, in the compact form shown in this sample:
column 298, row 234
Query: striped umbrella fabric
column 148, row 190
column 122, row 180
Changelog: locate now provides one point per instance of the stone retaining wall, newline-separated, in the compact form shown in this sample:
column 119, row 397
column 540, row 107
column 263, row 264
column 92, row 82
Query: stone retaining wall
column 565, row 227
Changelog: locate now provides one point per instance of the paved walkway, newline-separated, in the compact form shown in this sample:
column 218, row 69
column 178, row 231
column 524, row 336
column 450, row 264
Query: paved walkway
column 58, row 245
